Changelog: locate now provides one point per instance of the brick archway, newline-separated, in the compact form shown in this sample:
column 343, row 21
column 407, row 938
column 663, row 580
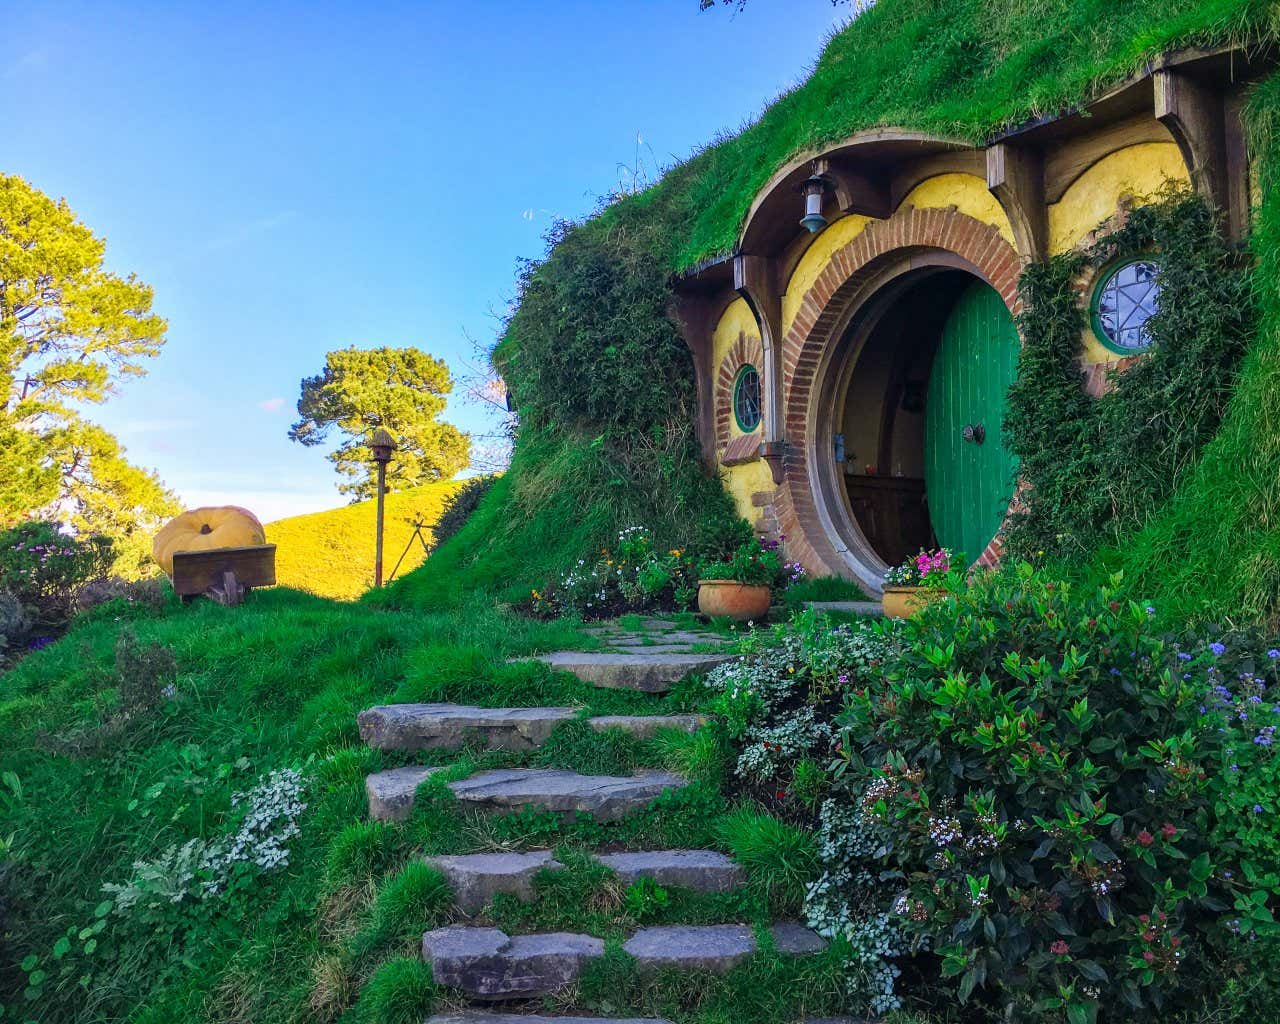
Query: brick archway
column 745, row 351
column 909, row 240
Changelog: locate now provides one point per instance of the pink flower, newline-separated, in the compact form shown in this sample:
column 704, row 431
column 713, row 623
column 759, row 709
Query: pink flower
column 1145, row 838
column 1059, row 948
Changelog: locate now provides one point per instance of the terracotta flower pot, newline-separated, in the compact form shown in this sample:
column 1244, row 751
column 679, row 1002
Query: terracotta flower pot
column 903, row 602
column 732, row 600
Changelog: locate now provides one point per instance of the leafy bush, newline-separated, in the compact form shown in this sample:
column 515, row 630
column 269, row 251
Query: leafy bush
column 1098, row 469
column 1043, row 771
column 43, row 568
column 632, row 577
column 779, row 700
column 458, row 507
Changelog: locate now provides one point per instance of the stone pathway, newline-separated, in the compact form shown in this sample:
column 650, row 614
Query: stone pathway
column 847, row 607
column 486, row 965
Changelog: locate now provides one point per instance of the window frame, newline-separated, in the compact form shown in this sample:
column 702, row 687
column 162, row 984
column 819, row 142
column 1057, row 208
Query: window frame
column 738, row 379
column 1105, row 276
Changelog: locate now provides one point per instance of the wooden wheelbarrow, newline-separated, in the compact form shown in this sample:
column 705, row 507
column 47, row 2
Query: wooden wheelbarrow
column 224, row 574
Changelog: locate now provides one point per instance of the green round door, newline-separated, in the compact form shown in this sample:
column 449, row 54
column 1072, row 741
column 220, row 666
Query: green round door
column 969, row 474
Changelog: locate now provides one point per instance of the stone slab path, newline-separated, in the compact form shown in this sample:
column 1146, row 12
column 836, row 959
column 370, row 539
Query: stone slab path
column 646, row 672
column 699, row 870
column 488, row 964
column 847, row 607
column 603, row 797
column 448, row 726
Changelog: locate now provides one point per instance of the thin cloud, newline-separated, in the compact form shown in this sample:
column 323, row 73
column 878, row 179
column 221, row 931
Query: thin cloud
column 32, row 60
column 272, row 405
column 239, row 232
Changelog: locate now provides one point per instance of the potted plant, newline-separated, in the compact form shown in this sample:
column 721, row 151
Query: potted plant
column 916, row 582
column 740, row 587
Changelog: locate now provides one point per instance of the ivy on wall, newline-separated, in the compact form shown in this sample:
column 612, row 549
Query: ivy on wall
column 1095, row 470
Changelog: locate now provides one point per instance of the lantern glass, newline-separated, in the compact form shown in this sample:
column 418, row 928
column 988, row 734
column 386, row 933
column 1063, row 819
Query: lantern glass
column 813, row 219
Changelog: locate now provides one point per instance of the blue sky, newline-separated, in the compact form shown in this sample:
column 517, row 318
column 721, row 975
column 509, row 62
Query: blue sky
column 293, row 178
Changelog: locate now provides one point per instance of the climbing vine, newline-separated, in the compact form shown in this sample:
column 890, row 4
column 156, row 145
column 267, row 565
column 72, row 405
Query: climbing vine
column 1096, row 469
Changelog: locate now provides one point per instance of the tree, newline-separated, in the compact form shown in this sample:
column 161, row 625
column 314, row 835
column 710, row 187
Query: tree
column 401, row 389
column 69, row 331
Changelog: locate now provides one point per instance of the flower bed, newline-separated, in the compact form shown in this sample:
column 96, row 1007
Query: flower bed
column 1035, row 800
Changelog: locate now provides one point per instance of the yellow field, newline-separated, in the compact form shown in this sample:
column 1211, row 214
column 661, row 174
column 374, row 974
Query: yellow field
column 331, row 553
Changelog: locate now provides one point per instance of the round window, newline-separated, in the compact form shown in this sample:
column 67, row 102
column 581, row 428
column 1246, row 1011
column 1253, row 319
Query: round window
column 1124, row 301
column 746, row 399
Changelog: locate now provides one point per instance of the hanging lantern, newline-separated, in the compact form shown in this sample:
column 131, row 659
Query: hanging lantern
column 814, row 188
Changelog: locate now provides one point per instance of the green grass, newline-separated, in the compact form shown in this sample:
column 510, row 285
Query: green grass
column 278, row 682
column 331, row 553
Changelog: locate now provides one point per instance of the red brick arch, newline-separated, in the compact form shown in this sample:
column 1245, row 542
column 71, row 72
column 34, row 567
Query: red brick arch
column 850, row 278
column 743, row 352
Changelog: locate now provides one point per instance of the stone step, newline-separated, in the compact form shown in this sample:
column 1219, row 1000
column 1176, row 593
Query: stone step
column 488, row 964
column 648, row 673
column 431, row 726
column 391, row 792
column 603, row 797
column 471, row 1017
column 847, row 607
column 477, row 877
column 715, row 947
column 438, row 726
column 699, row 870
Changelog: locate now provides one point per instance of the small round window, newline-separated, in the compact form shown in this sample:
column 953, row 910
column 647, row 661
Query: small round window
column 1124, row 302
column 746, row 399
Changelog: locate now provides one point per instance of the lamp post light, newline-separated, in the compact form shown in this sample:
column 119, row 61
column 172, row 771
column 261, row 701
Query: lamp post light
column 814, row 187
column 383, row 444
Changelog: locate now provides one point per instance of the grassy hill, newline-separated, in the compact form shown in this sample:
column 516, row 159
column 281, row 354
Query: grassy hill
column 331, row 553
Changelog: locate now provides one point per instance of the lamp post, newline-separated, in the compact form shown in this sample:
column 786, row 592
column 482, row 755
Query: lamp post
column 383, row 444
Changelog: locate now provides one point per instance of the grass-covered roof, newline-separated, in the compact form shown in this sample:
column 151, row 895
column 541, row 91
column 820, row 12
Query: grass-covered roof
column 965, row 68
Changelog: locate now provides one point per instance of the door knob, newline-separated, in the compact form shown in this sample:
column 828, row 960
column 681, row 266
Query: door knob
column 974, row 432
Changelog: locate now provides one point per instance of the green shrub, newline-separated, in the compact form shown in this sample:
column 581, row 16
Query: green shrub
column 1043, row 772
column 458, row 507
column 1097, row 469
column 43, row 568
column 752, row 563
column 400, row 991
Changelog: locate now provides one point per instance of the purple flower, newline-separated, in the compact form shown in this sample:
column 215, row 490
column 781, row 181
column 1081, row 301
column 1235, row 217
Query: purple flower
column 1183, row 656
column 1257, row 808
column 1273, row 653
column 1218, row 649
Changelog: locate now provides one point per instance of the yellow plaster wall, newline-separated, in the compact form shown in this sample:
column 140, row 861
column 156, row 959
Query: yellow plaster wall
column 743, row 480
column 815, row 260
column 1094, row 196
column 967, row 193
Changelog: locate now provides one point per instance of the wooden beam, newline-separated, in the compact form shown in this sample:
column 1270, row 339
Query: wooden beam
column 856, row 192
column 695, row 317
column 755, row 278
column 1015, row 176
column 1195, row 115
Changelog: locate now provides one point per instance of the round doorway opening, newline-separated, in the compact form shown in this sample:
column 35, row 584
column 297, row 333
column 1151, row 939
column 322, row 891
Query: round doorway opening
column 920, row 420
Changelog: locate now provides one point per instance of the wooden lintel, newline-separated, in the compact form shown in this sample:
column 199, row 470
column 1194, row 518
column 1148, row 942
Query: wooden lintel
column 1195, row 115
column 755, row 278
column 1015, row 176
column 856, row 192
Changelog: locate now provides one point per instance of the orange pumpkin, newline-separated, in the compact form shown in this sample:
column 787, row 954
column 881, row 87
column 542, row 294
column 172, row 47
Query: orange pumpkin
column 202, row 529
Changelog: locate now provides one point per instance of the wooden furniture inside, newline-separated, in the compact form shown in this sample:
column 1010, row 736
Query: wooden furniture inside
column 893, row 514
column 224, row 574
